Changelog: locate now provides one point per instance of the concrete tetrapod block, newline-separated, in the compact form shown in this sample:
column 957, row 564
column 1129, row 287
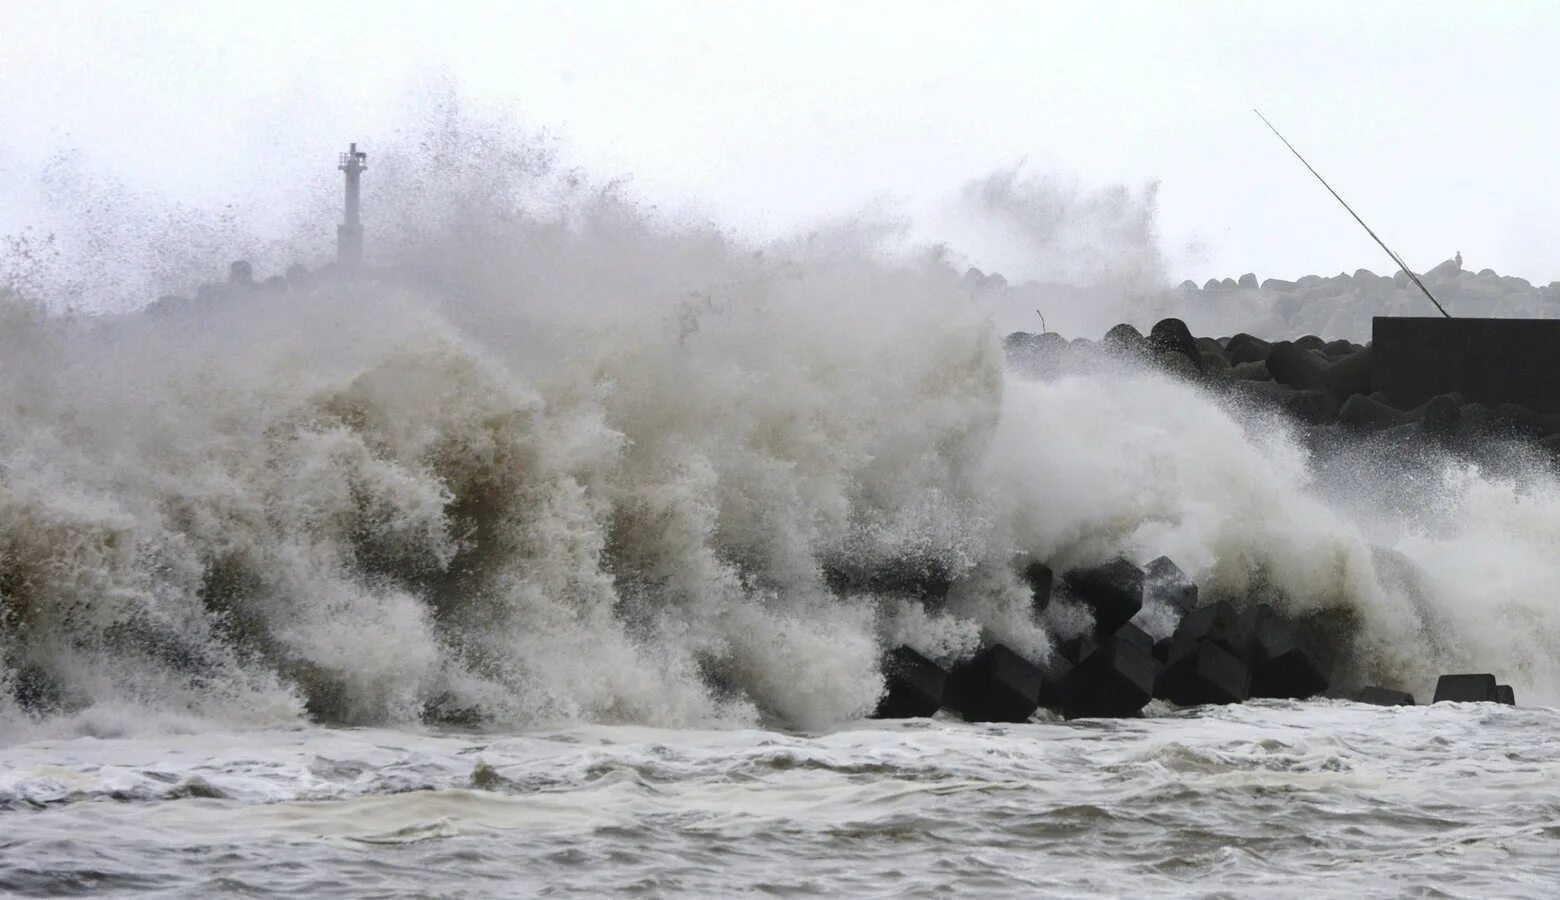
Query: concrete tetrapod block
column 1465, row 689
column 1040, row 578
column 1380, row 696
column 1291, row 661
column 915, row 686
column 998, row 685
column 1165, row 582
column 1219, row 623
column 1113, row 591
column 1203, row 672
column 1115, row 680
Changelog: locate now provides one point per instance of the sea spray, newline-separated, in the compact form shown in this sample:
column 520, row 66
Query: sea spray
column 602, row 467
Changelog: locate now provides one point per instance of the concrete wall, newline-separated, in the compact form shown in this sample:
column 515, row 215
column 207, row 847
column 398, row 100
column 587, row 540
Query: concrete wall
column 1489, row 361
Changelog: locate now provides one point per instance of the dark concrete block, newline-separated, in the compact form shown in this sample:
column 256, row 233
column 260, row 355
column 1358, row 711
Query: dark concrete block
column 1203, row 672
column 1076, row 648
column 1113, row 591
column 1292, row 661
column 998, row 685
column 915, row 686
column 1219, row 623
column 1504, row 694
column 1126, row 340
column 1135, row 636
column 1173, row 335
column 1297, row 367
column 1489, row 361
column 1465, row 689
column 1363, row 415
column 1115, row 680
column 1243, row 348
column 1380, row 696
column 1350, row 375
column 1040, row 579
column 1166, row 583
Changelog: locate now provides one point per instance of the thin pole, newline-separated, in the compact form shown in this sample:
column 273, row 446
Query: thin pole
column 1395, row 258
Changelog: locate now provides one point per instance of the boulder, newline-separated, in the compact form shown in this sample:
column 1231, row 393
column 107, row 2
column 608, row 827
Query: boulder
column 915, row 686
column 1164, row 582
column 1298, row 368
column 1113, row 591
column 1039, row 577
column 1380, row 696
column 997, row 685
column 1465, row 689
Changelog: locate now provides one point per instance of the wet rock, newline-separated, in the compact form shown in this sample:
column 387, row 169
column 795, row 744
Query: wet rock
column 1465, row 689
column 1298, row 368
column 997, row 685
column 915, row 686
column 1380, row 696
column 1113, row 591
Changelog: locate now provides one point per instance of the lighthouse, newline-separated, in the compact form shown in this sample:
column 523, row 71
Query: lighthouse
column 349, row 234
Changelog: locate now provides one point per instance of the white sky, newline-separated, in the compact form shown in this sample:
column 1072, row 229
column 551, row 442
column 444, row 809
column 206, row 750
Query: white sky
column 1437, row 120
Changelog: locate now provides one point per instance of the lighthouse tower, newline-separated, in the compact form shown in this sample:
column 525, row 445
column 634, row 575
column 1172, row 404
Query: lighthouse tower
column 349, row 234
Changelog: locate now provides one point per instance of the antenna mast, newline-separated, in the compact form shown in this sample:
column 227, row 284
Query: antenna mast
column 1395, row 258
column 349, row 234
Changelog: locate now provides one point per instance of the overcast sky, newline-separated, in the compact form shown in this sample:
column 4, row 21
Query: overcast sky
column 1437, row 120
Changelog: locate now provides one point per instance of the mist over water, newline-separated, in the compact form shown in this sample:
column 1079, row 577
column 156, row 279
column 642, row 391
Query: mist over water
column 564, row 461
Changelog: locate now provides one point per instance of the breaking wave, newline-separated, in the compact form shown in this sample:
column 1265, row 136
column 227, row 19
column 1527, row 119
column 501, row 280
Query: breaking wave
column 593, row 466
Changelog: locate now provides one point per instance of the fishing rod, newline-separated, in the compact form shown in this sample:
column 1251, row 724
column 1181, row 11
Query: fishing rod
column 1395, row 258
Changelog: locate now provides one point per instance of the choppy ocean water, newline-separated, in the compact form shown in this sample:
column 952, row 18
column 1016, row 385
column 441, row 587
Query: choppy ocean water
column 1324, row 798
